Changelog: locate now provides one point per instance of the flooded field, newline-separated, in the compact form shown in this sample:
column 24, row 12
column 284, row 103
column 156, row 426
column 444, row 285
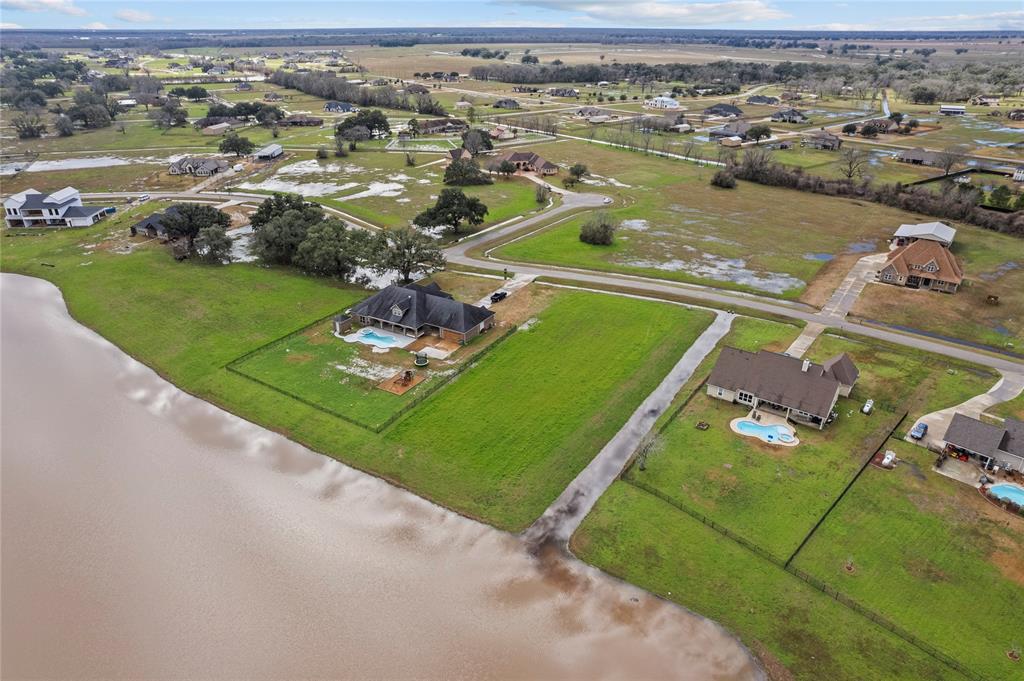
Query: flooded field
column 147, row 533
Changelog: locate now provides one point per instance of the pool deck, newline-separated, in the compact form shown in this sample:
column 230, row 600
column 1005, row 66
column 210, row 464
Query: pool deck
column 766, row 420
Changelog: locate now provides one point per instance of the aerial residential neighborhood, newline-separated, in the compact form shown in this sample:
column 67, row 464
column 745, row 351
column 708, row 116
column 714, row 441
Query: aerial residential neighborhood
column 628, row 340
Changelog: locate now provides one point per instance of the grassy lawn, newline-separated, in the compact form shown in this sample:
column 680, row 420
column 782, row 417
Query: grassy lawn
column 380, row 188
column 137, row 136
column 993, row 265
column 931, row 555
column 638, row 537
column 510, row 434
column 111, row 178
column 338, row 376
column 488, row 444
column 771, row 495
column 982, row 135
column 1014, row 408
column 675, row 226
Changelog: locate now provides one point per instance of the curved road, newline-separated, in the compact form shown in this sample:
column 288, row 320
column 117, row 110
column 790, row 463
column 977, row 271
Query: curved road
column 459, row 254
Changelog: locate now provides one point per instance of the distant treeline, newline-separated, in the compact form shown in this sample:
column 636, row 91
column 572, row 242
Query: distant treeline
column 330, row 86
column 404, row 37
column 739, row 73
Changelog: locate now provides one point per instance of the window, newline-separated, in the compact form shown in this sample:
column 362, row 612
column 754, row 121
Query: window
column 887, row 276
column 745, row 397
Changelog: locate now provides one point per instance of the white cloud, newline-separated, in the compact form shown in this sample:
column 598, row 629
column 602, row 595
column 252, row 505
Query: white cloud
column 1010, row 21
column 96, row 26
column 5, row 24
column 61, row 6
column 134, row 16
column 666, row 13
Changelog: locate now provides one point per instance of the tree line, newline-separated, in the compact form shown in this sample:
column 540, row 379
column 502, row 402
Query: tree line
column 955, row 202
column 329, row 86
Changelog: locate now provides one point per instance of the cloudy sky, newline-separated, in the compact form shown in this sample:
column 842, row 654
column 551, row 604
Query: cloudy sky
column 749, row 14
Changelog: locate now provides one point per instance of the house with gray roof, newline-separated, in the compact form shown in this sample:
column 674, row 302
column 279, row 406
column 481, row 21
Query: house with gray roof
column 918, row 157
column 152, row 226
column 198, row 166
column 1001, row 445
column 63, row 208
column 789, row 116
column 799, row 390
column 414, row 310
column 723, row 110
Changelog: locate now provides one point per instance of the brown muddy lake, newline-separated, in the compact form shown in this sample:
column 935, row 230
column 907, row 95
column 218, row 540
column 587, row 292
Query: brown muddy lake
column 149, row 534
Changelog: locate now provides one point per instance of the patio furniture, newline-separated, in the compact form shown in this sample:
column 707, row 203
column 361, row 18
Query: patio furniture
column 421, row 359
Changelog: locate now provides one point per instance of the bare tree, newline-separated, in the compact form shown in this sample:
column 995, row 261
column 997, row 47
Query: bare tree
column 852, row 162
column 949, row 158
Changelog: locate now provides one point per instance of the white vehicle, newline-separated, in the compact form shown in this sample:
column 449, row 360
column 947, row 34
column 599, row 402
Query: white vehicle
column 143, row 198
column 868, row 407
column 238, row 167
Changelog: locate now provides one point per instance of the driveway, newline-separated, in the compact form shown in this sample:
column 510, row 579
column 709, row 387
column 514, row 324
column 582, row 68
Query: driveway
column 563, row 516
column 1006, row 388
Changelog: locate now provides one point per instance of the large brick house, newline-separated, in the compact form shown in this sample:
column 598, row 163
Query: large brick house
column 797, row 389
column 923, row 264
column 415, row 311
column 524, row 161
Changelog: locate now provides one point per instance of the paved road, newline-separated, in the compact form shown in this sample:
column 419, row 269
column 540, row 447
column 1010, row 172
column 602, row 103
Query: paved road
column 563, row 516
column 458, row 254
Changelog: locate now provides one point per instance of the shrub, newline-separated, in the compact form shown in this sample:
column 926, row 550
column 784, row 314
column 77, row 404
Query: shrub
column 599, row 230
column 724, row 179
column 321, row 152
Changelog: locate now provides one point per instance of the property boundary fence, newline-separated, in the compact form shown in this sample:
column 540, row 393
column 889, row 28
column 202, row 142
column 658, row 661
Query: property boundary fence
column 812, row 581
column 856, row 476
column 233, row 367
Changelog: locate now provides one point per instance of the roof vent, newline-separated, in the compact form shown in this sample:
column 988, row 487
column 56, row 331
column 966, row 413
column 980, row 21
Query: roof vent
column 806, row 365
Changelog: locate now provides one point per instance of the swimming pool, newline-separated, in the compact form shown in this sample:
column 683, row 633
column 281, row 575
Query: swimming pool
column 1008, row 492
column 775, row 434
column 378, row 338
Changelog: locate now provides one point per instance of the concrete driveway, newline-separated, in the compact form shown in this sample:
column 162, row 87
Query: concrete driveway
column 1006, row 388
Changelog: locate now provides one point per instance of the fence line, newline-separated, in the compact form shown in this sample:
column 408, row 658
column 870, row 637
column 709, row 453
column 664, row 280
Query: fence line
column 814, row 582
column 849, row 485
column 431, row 388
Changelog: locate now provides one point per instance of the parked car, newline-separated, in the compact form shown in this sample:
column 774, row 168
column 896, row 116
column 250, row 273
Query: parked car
column 919, row 431
column 499, row 296
column 868, row 407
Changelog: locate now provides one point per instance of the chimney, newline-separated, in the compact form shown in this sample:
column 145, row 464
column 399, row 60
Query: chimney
column 806, row 365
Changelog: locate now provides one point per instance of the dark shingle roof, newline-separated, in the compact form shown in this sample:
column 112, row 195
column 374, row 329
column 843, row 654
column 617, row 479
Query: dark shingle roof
column 415, row 306
column 776, row 378
column 983, row 438
column 974, row 435
column 842, row 368
column 723, row 110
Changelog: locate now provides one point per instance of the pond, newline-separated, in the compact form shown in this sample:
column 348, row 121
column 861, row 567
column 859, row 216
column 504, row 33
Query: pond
column 149, row 534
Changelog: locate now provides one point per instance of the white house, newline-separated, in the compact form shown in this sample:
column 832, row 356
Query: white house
column 661, row 102
column 64, row 208
column 1018, row 174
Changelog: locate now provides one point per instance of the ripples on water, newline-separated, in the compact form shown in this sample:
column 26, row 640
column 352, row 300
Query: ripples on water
column 147, row 533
